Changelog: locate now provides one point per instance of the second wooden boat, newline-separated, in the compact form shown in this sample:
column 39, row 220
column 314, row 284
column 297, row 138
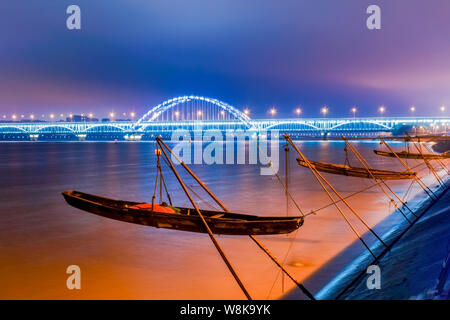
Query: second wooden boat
column 346, row 170
column 183, row 219
column 409, row 155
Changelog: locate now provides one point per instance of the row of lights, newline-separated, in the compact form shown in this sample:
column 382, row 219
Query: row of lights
column 324, row 110
column 273, row 111
column 70, row 115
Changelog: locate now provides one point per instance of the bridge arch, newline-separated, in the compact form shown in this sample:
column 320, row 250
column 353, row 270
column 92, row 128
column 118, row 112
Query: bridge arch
column 113, row 127
column 19, row 130
column 156, row 111
column 375, row 123
column 292, row 123
column 50, row 126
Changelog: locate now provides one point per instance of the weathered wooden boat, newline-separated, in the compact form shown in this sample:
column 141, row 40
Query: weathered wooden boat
column 346, row 170
column 183, row 219
column 410, row 155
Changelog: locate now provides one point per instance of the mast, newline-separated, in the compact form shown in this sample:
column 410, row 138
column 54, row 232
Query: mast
column 211, row 235
column 254, row 239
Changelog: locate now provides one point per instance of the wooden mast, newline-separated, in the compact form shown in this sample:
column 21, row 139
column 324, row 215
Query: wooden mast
column 318, row 177
column 418, row 180
column 258, row 243
column 211, row 235
column 368, row 168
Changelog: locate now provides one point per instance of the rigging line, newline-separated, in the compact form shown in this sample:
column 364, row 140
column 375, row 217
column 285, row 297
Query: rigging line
column 316, row 175
column 211, row 235
column 282, row 184
column 291, row 244
column 405, row 196
column 260, row 245
column 368, row 168
column 194, row 192
column 444, row 167
column 165, row 187
column 333, row 189
column 419, row 181
column 419, row 148
column 313, row 212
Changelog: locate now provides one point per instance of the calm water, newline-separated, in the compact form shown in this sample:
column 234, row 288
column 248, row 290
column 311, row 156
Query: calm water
column 40, row 235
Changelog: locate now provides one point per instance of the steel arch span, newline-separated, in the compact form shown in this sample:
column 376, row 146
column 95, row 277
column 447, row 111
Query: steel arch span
column 153, row 113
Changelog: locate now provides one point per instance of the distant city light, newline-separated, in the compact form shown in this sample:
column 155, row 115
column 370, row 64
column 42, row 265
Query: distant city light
column 52, row 115
column 111, row 114
column 132, row 114
column 70, row 116
column 4, row 116
column 90, row 115
column 22, row 116
column 61, row 115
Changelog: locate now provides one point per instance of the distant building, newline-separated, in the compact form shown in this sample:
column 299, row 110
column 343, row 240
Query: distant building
column 80, row 118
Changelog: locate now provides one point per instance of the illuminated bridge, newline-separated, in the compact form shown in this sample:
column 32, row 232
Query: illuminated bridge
column 194, row 113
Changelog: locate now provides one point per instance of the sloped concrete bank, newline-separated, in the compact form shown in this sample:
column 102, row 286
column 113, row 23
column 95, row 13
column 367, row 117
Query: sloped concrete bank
column 417, row 266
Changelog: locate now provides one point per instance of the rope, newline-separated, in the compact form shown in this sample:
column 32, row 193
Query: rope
column 282, row 184
column 291, row 244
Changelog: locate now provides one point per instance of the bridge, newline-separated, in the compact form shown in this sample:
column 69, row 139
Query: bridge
column 195, row 113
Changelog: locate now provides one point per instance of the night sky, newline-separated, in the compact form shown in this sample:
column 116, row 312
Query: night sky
column 132, row 55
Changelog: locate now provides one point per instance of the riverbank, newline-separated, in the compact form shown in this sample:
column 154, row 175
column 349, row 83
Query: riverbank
column 414, row 268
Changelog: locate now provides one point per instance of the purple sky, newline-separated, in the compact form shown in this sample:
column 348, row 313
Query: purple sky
column 131, row 55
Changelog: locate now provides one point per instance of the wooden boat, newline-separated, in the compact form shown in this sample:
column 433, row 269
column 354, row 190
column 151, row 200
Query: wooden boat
column 346, row 170
column 184, row 219
column 409, row 155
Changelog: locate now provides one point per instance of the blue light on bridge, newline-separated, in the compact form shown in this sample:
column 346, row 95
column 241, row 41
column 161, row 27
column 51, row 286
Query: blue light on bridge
column 194, row 113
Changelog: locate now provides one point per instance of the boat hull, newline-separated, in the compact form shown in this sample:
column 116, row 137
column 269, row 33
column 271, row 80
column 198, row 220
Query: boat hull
column 345, row 170
column 417, row 156
column 186, row 220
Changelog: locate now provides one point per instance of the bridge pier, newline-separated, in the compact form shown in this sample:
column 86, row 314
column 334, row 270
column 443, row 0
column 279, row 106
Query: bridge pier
column 133, row 137
column 81, row 137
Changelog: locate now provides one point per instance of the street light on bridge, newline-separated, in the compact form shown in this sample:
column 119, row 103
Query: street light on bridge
column 298, row 111
column 324, row 111
column 442, row 108
column 354, row 111
column 31, row 116
column 412, row 109
column 132, row 114
column 246, row 111
column 381, row 110
column 273, row 111
column 14, row 117
column 111, row 115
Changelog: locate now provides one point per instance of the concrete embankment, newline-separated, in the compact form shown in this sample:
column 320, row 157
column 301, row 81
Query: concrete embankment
column 417, row 266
